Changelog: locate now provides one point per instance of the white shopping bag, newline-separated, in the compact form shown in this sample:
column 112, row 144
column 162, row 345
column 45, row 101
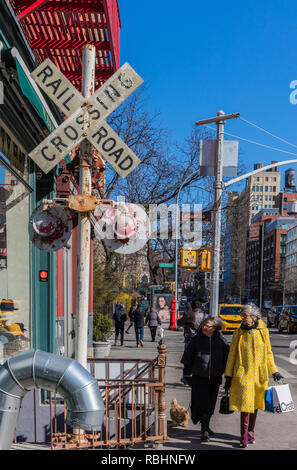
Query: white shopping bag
column 282, row 399
column 161, row 333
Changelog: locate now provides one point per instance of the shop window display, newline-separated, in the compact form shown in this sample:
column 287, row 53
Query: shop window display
column 15, row 285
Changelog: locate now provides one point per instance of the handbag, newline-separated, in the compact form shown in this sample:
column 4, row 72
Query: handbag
column 224, row 405
column 278, row 399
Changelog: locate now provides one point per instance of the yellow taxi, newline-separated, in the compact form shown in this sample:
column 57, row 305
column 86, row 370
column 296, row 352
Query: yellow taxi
column 230, row 316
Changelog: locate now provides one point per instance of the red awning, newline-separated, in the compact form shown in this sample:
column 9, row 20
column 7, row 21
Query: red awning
column 58, row 29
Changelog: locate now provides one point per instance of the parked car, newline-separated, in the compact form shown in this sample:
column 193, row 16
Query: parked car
column 230, row 316
column 288, row 319
column 273, row 315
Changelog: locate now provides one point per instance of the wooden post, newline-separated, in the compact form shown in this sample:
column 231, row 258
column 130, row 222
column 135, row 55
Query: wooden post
column 162, row 418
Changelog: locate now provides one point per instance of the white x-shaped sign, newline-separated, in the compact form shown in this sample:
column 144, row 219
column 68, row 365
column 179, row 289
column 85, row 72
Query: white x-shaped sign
column 73, row 130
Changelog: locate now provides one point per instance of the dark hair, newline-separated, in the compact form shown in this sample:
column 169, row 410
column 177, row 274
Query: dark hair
column 217, row 322
column 195, row 304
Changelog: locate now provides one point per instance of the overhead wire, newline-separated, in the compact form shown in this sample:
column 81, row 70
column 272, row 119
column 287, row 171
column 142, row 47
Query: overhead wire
column 255, row 143
column 266, row 132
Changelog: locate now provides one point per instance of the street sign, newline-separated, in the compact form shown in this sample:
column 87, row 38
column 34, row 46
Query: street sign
column 166, row 265
column 60, row 90
column 86, row 119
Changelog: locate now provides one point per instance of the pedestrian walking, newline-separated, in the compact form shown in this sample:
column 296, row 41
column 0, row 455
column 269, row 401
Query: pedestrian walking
column 131, row 317
column 119, row 317
column 139, row 315
column 188, row 307
column 153, row 320
column 204, row 362
column 249, row 362
column 191, row 321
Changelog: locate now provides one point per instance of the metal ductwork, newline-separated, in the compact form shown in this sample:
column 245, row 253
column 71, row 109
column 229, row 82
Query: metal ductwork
column 39, row 369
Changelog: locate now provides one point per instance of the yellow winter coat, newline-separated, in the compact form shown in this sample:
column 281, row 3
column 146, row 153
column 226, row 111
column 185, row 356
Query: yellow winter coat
column 249, row 362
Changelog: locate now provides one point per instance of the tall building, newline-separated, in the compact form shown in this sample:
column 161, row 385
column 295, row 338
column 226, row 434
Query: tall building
column 273, row 255
column 290, row 284
column 260, row 193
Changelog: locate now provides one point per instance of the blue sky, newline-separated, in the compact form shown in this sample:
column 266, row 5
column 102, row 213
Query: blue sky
column 200, row 57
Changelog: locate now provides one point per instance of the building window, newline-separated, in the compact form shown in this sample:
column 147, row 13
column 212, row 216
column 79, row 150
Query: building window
column 261, row 188
column 14, row 265
column 270, row 189
column 274, row 189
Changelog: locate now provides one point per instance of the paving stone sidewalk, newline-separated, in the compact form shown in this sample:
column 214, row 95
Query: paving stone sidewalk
column 273, row 432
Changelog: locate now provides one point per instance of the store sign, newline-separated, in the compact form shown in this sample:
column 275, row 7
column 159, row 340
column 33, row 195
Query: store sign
column 254, row 231
column 11, row 148
column 87, row 118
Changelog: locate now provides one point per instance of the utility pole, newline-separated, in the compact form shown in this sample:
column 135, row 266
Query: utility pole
column 217, row 209
column 84, row 226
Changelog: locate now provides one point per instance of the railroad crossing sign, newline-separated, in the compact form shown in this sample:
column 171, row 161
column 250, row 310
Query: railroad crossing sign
column 86, row 118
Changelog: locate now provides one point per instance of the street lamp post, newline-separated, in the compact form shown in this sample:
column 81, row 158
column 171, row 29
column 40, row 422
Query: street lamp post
column 177, row 221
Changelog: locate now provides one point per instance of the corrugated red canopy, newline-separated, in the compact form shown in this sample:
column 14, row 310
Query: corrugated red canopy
column 58, row 29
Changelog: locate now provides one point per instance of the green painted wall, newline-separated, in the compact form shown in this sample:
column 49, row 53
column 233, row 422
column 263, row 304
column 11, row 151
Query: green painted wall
column 44, row 299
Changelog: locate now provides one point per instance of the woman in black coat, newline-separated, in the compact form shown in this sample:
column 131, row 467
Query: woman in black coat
column 205, row 360
column 139, row 315
column 153, row 320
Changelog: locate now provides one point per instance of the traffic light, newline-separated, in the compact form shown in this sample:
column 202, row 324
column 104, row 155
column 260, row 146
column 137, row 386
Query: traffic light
column 205, row 260
column 188, row 259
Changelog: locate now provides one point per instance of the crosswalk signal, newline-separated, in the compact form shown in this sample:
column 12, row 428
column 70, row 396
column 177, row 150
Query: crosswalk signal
column 205, row 260
column 188, row 259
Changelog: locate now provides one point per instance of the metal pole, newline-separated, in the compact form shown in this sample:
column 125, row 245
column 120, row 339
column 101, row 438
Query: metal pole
column 85, row 188
column 215, row 282
column 177, row 225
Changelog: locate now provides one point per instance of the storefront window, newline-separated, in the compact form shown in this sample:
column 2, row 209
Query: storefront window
column 14, row 261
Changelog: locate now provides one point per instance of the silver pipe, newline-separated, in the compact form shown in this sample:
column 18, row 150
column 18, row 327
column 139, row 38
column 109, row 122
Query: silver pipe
column 39, row 369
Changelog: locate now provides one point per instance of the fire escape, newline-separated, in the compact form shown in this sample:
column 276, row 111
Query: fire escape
column 58, row 29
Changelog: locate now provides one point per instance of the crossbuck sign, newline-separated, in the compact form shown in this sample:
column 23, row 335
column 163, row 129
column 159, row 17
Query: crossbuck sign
column 86, row 118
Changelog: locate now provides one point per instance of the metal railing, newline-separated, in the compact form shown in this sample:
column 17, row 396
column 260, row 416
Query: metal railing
column 134, row 405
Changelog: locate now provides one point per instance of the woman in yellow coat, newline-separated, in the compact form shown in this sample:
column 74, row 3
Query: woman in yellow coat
column 249, row 362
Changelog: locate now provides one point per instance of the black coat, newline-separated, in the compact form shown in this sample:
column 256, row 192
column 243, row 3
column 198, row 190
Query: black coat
column 139, row 315
column 119, row 317
column 206, row 357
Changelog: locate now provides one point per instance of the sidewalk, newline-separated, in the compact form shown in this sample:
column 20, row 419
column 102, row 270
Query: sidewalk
column 273, row 432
